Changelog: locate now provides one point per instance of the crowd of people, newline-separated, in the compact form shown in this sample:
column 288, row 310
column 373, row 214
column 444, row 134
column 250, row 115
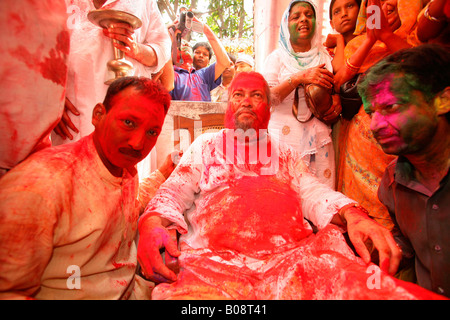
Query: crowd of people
column 280, row 204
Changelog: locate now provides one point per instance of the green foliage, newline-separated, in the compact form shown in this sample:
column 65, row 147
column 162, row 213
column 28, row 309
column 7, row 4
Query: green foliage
column 227, row 18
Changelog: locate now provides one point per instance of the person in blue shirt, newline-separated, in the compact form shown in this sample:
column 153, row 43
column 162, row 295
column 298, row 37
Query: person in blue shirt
column 196, row 83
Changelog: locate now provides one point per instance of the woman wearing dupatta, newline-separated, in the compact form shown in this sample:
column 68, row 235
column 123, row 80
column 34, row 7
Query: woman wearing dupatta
column 361, row 162
column 301, row 59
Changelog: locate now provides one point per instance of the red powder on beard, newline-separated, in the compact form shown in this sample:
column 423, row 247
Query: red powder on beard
column 254, row 216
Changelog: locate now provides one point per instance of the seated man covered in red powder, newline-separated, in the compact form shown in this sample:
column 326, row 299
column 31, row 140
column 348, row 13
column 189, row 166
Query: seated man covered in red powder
column 240, row 199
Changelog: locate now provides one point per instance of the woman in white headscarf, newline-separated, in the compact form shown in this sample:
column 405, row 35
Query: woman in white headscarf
column 301, row 59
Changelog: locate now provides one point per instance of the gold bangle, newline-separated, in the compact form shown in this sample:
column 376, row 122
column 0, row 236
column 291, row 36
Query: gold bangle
column 350, row 66
column 431, row 18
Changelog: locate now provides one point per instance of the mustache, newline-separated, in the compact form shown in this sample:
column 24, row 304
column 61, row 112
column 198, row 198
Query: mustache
column 246, row 110
column 131, row 152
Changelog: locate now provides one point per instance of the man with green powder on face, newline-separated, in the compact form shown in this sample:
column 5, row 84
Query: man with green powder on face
column 407, row 96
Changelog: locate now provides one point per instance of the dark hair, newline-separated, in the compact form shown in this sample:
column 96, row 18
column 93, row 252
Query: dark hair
column 232, row 57
column 425, row 68
column 206, row 45
column 251, row 74
column 294, row 3
column 330, row 11
column 146, row 87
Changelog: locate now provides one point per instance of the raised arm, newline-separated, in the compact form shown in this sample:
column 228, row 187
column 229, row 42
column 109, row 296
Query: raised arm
column 382, row 33
column 221, row 55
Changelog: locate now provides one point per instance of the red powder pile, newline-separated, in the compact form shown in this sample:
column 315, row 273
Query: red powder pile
column 253, row 216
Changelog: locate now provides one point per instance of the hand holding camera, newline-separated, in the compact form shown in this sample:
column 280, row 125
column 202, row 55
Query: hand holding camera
column 187, row 22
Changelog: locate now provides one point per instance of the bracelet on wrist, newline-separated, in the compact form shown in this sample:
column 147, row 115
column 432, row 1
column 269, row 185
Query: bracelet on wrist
column 351, row 66
column 355, row 205
column 430, row 17
column 289, row 80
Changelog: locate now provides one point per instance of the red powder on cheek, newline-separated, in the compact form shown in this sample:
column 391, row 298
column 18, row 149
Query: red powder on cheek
column 229, row 117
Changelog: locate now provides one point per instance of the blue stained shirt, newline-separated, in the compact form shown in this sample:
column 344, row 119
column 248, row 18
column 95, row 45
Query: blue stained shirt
column 194, row 85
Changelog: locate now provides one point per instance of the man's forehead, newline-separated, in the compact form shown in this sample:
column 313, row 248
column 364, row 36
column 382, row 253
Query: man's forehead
column 201, row 48
column 133, row 99
column 388, row 90
column 248, row 82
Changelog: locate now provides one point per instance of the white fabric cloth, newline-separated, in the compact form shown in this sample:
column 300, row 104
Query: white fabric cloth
column 60, row 210
column 246, row 238
column 91, row 50
column 34, row 43
column 204, row 170
column 219, row 94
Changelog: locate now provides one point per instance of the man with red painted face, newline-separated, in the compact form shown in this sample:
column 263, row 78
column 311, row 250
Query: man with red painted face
column 240, row 199
column 68, row 214
column 407, row 96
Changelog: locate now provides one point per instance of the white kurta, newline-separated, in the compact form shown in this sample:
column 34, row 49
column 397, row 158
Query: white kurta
column 304, row 137
column 246, row 237
column 204, row 171
column 309, row 136
column 34, row 43
column 60, row 211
